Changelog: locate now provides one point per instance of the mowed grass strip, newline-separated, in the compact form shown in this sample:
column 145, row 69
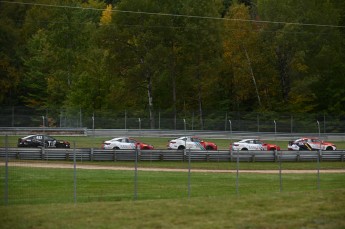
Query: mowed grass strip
column 27, row 185
column 308, row 209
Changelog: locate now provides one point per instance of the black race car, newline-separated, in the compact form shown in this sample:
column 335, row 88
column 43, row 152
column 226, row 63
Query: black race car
column 42, row 141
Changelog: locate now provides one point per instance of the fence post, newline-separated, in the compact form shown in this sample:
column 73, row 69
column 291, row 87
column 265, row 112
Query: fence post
column 318, row 169
column 189, row 173
column 237, row 172
column 136, row 174
column 280, row 171
column 6, row 172
column 75, row 174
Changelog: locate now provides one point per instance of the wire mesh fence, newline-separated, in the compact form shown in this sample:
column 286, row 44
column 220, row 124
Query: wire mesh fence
column 44, row 181
column 211, row 120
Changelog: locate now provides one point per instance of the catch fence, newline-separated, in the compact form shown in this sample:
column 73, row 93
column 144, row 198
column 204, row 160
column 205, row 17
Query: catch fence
column 186, row 120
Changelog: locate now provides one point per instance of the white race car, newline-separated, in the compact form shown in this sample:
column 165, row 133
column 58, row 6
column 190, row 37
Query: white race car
column 253, row 144
column 310, row 144
column 125, row 143
column 190, row 142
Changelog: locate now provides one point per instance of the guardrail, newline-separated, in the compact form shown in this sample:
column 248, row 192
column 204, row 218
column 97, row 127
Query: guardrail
column 91, row 154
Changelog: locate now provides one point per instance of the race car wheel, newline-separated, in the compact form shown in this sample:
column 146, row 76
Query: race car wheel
column 329, row 148
column 209, row 148
column 244, row 149
column 181, row 148
column 116, row 147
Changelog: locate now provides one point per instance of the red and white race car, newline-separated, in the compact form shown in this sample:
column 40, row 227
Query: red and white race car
column 190, row 142
column 125, row 143
column 310, row 144
column 253, row 144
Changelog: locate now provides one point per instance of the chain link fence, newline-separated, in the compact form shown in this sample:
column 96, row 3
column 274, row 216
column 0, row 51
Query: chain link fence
column 25, row 181
column 211, row 120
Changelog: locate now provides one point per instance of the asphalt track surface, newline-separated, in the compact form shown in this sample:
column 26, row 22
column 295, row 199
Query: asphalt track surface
column 120, row 168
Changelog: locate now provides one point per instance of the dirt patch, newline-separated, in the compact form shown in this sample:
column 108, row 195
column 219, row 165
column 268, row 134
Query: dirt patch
column 100, row 167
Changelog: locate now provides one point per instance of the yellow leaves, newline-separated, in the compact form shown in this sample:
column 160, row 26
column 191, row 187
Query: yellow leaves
column 240, row 36
column 301, row 67
column 106, row 15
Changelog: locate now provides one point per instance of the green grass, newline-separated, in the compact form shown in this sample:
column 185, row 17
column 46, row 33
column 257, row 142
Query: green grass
column 106, row 200
column 44, row 198
column 45, row 185
column 158, row 142
column 311, row 209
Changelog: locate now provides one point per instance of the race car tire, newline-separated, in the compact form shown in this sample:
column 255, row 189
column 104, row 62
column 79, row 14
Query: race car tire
column 209, row 148
column 181, row 147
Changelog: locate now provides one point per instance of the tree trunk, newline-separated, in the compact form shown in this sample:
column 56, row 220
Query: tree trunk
column 200, row 99
column 283, row 68
column 252, row 74
column 150, row 98
column 173, row 81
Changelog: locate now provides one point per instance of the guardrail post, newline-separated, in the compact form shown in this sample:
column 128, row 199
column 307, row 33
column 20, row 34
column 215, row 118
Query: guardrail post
column 43, row 153
column 114, row 155
column 298, row 156
column 320, row 156
column 91, row 154
column 253, row 157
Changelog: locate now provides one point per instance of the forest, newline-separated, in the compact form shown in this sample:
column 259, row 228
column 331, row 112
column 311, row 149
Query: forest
column 175, row 56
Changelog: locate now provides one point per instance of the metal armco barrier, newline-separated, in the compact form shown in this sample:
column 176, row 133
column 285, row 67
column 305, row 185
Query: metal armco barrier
column 91, row 154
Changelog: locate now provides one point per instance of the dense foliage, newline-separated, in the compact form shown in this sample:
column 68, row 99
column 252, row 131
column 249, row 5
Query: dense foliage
column 174, row 55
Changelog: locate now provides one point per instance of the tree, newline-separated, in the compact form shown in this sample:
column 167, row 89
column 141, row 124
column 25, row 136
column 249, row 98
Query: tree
column 201, row 48
column 242, row 54
column 297, row 45
column 11, row 43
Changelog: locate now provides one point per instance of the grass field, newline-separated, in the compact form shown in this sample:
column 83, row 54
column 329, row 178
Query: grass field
column 44, row 197
column 30, row 185
column 310, row 209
